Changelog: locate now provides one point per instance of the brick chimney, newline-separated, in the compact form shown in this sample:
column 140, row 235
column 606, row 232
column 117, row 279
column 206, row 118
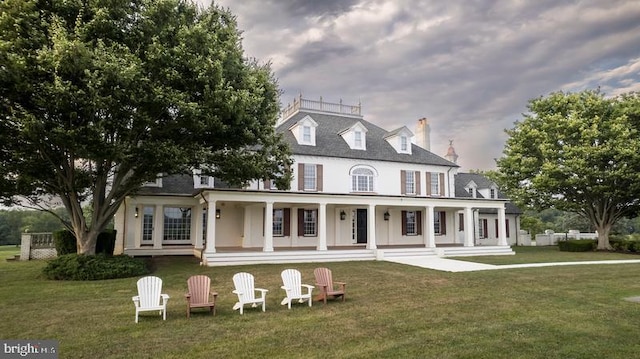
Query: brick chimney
column 423, row 134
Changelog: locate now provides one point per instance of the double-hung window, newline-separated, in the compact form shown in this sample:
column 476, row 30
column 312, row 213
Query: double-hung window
column 410, row 182
column 435, row 183
column 310, row 222
column 309, row 177
column 411, row 223
column 278, row 222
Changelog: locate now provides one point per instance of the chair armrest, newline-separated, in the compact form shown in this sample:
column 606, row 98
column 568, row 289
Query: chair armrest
column 237, row 292
column 285, row 287
column 136, row 299
column 165, row 298
column 308, row 286
column 262, row 290
column 188, row 295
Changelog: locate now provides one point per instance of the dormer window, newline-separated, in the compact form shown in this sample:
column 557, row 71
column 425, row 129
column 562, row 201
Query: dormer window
column 355, row 136
column 202, row 180
column 305, row 131
column 400, row 140
column 306, row 134
column 357, row 139
column 492, row 193
column 156, row 183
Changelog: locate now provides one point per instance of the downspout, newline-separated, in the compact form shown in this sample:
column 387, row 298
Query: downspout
column 124, row 225
column 449, row 181
column 517, row 229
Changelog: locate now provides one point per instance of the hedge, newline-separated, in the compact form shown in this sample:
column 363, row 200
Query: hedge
column 577, row 245
column 66, row 243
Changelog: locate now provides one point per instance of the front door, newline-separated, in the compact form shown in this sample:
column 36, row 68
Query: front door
column 361, row 226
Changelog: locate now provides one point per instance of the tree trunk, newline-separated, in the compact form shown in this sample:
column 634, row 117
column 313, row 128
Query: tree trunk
column 86, row 241
column 603, row 236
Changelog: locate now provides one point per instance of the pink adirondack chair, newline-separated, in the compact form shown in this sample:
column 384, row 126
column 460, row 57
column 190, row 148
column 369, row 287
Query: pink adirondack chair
column 327, row 286
column 200, row 295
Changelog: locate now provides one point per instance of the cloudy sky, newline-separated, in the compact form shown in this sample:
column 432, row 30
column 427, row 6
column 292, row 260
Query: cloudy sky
column 470, row 67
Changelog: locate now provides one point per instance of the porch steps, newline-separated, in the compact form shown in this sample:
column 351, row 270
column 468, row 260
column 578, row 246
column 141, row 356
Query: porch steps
column 389, row 253
column 475, row 251
column 239, row 258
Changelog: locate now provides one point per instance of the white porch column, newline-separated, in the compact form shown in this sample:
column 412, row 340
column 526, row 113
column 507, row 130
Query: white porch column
column 322, row 227
column 430, row 234
column 268, row 227
column 198, row 222
column 371, row 231
column 210, row 246
column 469, row 228
column 502, row 233
column 158, row 226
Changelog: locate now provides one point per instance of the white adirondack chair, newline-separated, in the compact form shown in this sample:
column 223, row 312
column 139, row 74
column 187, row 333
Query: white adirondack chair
column 293, row 286
column 150, row 296
column 246, row 292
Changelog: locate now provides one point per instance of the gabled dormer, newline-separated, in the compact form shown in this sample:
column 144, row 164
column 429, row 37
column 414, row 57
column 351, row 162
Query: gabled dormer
column 472, row 188
column 201, row 180
column 400, row 140
column 355, row 136
column 305, row 131
column 156, row 183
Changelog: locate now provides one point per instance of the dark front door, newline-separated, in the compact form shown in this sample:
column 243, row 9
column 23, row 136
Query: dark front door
column 361, row 226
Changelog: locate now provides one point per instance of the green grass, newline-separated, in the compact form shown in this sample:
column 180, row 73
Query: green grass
column 548, row 254
column 392, row 311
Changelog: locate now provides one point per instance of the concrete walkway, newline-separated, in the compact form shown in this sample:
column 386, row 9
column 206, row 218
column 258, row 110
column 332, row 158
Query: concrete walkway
column 454, row 265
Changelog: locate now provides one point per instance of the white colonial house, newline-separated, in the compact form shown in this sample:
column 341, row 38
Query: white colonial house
column 359, row 192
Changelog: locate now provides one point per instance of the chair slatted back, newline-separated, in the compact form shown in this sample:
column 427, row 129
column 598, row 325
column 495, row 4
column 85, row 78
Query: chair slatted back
column 323, row 277
column 244, row 282
column 292, row 279
column 149, row 289
column 199, row 287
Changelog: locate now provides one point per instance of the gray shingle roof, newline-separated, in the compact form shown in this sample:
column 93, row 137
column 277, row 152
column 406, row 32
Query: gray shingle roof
column 330, row 144
column 462, row 179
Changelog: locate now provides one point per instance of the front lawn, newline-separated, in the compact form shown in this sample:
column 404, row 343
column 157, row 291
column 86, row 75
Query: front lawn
column 392, row 311
column 547, row 254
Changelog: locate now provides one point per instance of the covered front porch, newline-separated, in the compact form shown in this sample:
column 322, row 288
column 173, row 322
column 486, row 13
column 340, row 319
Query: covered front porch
column 226, row 227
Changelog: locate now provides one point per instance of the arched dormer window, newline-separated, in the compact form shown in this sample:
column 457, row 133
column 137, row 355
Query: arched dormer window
column 362, row 179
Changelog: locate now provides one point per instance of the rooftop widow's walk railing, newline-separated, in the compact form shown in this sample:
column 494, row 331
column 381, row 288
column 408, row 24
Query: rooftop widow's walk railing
column 300, row 103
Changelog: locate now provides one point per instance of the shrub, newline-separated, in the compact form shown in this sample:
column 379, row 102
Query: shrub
column 65, row 242
column 106, row 242
column 94, row 267
column 577, row 245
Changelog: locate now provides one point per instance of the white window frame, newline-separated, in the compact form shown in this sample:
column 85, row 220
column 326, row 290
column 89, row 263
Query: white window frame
column 306, row 134
column 362, row 179
column 437, row 226
column 310, row 176
column 278, row 222
column 411, row 223
column 180, row 234
column 404, row 144
column 410, row 182
column 310, row 223
column 435, row 184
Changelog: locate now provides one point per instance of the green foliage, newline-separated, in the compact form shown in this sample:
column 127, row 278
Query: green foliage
column 576, row 152
column 577, row 245
column 94, row 267
column 65, row 242
column 141, row 86
column 106, row 242
column 625, row 243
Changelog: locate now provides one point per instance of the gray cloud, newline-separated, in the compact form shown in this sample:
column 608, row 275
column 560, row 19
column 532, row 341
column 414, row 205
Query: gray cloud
column 469, row 67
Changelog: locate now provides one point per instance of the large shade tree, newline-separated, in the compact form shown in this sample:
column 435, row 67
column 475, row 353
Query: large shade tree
column 577, row 152
column 98, row 97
